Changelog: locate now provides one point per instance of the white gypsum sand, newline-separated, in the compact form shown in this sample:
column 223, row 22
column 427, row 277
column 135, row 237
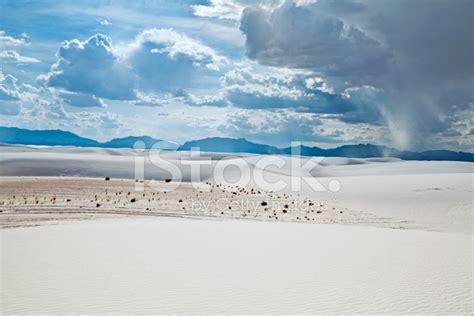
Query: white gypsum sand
column 431, row 195
column 164, row 265
column 137, row 258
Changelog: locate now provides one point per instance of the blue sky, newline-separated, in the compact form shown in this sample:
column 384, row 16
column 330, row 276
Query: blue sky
column 324, row 72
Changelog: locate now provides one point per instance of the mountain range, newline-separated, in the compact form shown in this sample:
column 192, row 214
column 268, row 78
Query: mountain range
column 13, row 135
column 352, row 151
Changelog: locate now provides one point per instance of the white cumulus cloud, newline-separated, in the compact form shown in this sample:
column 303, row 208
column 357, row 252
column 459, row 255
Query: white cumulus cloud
column 157, row 60
column 15, row 57
column 6, row 40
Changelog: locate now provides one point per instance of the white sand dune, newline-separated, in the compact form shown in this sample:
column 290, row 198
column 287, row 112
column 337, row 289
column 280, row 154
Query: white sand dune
column 188, row 266
column 169, row 265
column 435, row 195
column 75, row 161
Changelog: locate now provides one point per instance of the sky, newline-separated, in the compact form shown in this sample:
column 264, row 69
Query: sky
column 324, row 72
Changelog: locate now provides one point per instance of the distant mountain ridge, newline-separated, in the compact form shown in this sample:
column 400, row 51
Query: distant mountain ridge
column 373, row 151
column 231, row 145
column 13, row 135
column 128, row 142
column 241, row 145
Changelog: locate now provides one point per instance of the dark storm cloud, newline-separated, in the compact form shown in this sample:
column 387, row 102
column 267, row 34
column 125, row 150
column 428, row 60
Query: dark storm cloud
column 419, row 53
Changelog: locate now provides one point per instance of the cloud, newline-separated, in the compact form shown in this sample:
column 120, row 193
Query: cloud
column 218, row 9
column 217, row 100
column 10, row 55
column 274, row 127
column 104, row 22
column 229, row 9
column 304, row 92
column 149, row 99
column 81, row 100
column 9, row 93
column 105, row 120
column 165, row 60
column 91, row 67
column 15, row 57
column 420, row 65
column 6, row 40
column 433, row 77
column 181, row 96
column 54, row 115
column 369, row 105
column 296, row 91
column 158, row 61
column 10, row 90
column 302, row 37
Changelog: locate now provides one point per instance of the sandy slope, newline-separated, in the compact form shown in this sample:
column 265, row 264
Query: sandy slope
column 163, row 265
column 32, row 201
